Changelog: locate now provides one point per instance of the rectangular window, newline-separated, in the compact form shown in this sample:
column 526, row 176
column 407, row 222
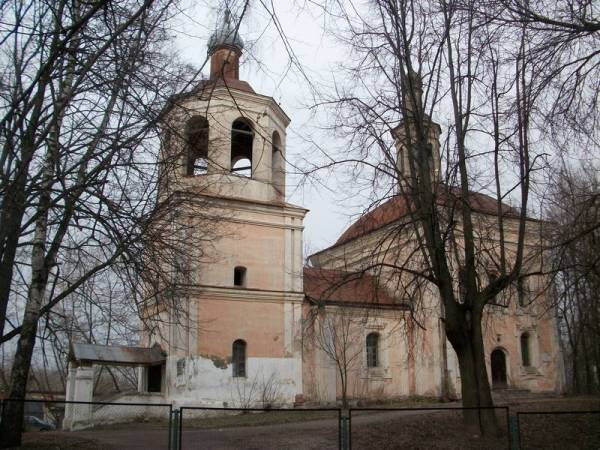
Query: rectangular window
column 154, row 380
column 239, row 276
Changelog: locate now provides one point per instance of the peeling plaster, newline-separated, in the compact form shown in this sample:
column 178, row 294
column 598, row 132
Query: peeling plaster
column 206, row 382
column 220, row 363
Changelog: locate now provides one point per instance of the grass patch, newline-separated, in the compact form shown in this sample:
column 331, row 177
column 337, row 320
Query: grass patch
column 59, row 441
column 134, row 423
column 256, row 419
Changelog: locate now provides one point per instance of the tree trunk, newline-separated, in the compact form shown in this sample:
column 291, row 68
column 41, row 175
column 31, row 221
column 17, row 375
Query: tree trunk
column 12, row 413
column 475, row 385
column 586, row 364
column 344, row 381
column 9, row 246
column 575, row 374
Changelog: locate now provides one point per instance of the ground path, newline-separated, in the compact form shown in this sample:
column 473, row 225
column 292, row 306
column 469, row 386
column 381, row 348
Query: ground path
column 415, row 429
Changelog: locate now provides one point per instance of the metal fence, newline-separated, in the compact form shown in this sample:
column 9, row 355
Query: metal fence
column 426, row 428
column 256, row 428
column 160, row 426
column 92, row 424
column 547, row 429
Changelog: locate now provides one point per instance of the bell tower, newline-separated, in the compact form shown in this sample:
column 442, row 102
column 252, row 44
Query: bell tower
column 224, row 152
column 415, row 121
column 225, row 139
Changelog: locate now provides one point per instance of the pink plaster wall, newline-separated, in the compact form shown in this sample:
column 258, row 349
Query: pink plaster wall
column 260, row 324
column 260, row 249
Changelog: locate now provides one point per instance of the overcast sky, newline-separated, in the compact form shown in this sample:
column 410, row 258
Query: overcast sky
column 266, row 66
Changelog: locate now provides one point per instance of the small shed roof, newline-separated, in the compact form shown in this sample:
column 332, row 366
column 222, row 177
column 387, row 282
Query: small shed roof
column 116, row 354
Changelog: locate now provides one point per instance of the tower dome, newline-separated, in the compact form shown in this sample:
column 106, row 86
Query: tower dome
column 225, row 35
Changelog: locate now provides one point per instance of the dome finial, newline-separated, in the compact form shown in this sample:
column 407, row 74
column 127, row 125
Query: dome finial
column 225, row 35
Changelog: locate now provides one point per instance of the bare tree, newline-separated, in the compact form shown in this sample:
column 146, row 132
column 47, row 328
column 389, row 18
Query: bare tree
column 342, row 304
column 85, row 85
column 334, row 331
column 573, row 209
column 472, row 64
column 99, row 312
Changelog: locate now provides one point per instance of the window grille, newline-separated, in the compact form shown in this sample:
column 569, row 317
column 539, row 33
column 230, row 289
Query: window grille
column 372, row 350
column 238, row 358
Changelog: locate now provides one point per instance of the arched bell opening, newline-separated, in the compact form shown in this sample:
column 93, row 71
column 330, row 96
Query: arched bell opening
column 196, row 146
column 242, row 139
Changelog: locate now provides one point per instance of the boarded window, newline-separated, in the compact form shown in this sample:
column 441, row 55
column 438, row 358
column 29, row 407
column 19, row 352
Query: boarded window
column 525, row 356
column 242, row 138
column 180, row 367
column 239, row 276
column 238, row 358
column 372, row 350
column 196, row 141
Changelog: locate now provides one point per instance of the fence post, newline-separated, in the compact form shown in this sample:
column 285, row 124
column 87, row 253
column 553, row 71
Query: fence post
column 514, row 433
column 344, row 432
column 174, row 437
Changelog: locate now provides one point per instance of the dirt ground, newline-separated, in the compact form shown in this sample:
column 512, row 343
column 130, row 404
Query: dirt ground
column 445, row 430
column 385, row 430
column 421, row 430
column 560, row 431
column 310, row 435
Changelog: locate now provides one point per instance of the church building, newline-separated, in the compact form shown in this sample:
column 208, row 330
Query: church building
column 261, row 329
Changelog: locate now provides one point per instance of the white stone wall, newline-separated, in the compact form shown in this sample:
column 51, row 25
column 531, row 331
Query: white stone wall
column 210, row 383
column 132, row 411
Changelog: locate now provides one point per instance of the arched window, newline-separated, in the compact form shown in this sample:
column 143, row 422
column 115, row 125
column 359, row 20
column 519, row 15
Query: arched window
column 242, row 138
column 238, row 358
column 239, row 276
column 525, row 357
column 498, row 364
column 196, row 142
column 277, row 164
column 372, row 350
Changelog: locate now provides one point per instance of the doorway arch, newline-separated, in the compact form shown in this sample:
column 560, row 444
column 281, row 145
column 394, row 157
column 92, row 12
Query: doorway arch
column 498, row 360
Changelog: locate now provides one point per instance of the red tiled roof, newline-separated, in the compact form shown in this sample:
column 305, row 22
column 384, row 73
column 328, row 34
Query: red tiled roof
column 398, row 206
column 348, row 288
